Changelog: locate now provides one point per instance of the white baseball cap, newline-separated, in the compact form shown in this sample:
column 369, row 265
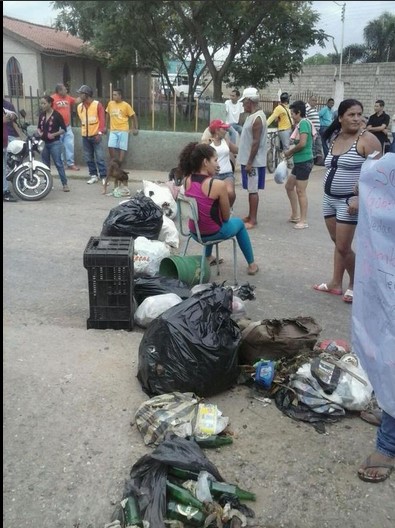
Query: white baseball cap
column 250, row 93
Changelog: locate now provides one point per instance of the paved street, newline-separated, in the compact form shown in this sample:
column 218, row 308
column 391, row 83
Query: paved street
column 70, row 394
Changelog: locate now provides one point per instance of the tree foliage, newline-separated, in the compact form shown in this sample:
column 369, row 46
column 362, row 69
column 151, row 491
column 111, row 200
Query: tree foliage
column 259, row 41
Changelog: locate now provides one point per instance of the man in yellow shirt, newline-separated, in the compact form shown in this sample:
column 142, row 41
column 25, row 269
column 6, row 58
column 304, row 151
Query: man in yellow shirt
column 121, row 119
column 285, row 123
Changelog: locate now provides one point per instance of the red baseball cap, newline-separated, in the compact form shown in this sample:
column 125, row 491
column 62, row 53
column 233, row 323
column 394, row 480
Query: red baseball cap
column 218, row 123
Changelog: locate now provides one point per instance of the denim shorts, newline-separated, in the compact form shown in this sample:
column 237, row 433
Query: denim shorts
column 302, row 170
column 224, row 176
column 118, row 140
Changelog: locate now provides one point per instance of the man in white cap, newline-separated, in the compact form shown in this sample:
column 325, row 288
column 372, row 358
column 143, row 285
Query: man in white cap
column 252, row 153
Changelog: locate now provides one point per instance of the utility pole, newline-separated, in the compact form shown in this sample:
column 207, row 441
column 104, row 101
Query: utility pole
column 342, row 41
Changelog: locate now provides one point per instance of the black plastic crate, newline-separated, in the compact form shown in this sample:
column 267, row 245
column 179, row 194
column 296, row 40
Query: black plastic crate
column 109, row 261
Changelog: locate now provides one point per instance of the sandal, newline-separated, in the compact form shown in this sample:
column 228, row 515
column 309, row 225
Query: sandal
column 214, row 262
column 248, row 225
column 324, row 288
column 301, row 225
column 348, row 296
column 249, row 272
column 379, row 478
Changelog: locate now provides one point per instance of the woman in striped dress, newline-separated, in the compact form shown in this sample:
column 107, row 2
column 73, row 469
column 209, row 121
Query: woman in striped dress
column 350, row 146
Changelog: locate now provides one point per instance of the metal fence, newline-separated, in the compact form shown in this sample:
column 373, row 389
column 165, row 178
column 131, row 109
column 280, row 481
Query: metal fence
column 156, row 113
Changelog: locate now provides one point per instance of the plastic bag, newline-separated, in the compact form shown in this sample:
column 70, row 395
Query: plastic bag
column 148, row 475
column 353, row 393
column 192, row 347
column 281, row 172
column 174, row 412
column 144, row 287
column 162, row 196
column 148, row 255
column 238, row 308
column 169, row 233
column 153, row 307
column 139, row 216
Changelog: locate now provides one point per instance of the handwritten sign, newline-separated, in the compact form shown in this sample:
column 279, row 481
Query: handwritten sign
column 373, row 315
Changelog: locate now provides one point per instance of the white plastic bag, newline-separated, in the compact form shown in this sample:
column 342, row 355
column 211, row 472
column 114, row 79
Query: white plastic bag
column 162, row 196
column 281, row 172
column 355, row 393
column 169, row 233
column 154, row 306
column 148, row 255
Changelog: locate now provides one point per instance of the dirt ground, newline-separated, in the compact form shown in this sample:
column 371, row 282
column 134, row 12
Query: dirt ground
column 70, row 394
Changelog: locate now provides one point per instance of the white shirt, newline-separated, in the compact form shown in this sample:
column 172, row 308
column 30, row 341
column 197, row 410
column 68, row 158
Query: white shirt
column 233, row 111
column 223, row 156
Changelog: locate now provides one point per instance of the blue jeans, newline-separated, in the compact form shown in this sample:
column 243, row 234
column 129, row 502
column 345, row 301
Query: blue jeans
column 94, row 156
column 385, row 442
column 54, row 151
column 233, row 227
column 325, row 145
column 67, row 140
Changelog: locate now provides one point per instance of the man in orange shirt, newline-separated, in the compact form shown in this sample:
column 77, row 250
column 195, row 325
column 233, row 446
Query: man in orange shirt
column 63, row 103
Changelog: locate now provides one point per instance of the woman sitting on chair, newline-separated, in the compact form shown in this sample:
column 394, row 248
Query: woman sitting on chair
column 199, row 161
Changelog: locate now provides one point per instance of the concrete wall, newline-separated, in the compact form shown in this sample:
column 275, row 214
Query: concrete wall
column 365, row 82
column 149, row 150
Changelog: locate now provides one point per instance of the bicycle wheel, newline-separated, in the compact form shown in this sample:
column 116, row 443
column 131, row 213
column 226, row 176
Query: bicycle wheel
column 270, row 160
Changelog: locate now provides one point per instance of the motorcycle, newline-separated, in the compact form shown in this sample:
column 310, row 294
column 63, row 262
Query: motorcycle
column 31, row 179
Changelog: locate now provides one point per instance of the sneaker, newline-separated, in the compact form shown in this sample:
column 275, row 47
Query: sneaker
column 66, row 188
column 73, row 167
column 93, row 179
column 7, row 197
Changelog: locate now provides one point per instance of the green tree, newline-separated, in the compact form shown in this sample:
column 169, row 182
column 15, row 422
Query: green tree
column 260, row 41
column 379, row 37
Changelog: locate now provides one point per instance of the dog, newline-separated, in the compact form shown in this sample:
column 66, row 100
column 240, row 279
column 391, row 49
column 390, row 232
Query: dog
column 118, row 175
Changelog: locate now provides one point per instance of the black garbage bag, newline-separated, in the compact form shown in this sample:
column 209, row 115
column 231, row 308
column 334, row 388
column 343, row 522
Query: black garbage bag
column 144, row 287
column 148, row 475
column 192, row 347
column 139, row 216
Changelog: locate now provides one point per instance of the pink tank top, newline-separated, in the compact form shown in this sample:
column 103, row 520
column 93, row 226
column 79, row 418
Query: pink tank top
column 210, row 220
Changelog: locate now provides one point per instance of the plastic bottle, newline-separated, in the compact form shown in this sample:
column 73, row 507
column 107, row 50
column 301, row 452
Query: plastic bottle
column 132, row 512
column 182, row 495
column 211, row 442
column 264, row 373
column 216, row 488
column 187, row 514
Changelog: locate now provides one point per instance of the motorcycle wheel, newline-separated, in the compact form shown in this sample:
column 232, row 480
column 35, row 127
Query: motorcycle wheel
column 32, row 190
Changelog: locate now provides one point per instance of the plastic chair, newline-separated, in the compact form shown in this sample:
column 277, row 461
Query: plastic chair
column 187, row 209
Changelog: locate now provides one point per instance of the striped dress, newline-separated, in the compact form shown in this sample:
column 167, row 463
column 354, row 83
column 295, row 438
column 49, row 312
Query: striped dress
column 342, row 172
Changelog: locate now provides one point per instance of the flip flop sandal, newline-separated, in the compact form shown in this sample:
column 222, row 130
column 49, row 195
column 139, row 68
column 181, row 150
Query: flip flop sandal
column 248, row 225
column 324, row 288
column 253, row 272
column 348, row 296
column 379, row 478
column 214, row 262
column 303, row 225
column 373, row 417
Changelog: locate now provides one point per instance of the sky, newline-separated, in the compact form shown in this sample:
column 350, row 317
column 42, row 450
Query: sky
column 357, row 15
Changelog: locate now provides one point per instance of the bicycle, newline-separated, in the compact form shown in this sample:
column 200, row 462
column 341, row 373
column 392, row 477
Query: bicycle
column 274, row 155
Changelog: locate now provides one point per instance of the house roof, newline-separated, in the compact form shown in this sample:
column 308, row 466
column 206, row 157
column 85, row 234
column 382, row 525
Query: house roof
column 44, row 38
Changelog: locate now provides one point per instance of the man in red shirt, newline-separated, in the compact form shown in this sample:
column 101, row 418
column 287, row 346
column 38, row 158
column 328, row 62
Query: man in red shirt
column 63, row 103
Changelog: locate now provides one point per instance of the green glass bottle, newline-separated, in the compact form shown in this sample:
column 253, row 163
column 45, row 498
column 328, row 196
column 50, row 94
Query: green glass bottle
column 182, row 495
column 216, row 488
column 132, row 512
column 211, row 442
column 187, row 514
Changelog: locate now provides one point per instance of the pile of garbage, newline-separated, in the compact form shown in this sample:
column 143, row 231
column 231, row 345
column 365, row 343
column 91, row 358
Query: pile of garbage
column 177, row 482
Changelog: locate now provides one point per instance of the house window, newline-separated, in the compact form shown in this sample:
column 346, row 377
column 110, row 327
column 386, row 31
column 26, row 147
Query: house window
column 66, row 76
column 99, row 83
column 14, row 78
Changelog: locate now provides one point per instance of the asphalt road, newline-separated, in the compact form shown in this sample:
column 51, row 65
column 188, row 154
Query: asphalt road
column 70, row 394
